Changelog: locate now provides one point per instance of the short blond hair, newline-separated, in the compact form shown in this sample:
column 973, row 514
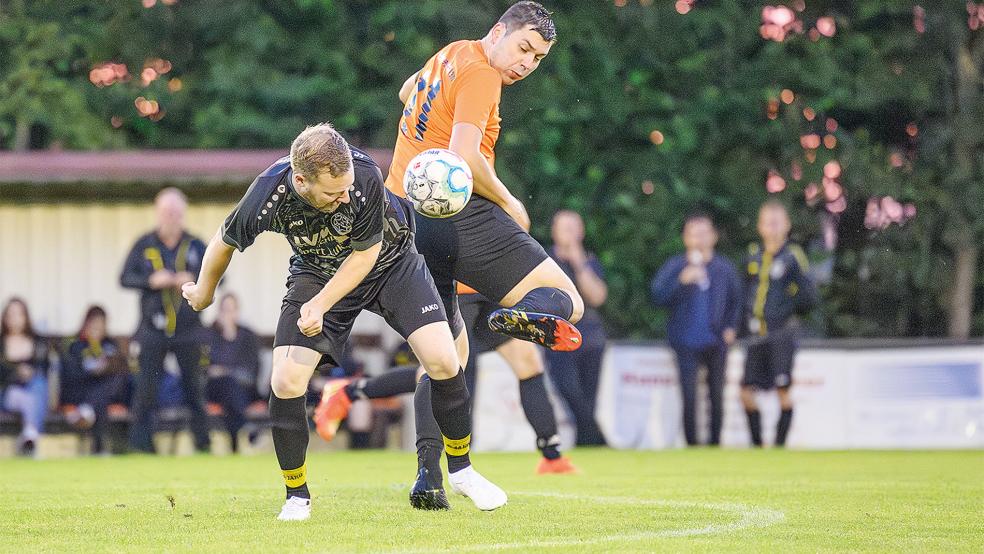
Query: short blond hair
column 320, row 148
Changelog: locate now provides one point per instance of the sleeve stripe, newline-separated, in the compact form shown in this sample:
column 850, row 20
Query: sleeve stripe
column 369, row 243
column 231, row 242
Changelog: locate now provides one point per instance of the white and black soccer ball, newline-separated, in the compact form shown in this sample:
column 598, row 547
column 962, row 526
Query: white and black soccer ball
column 438, row 183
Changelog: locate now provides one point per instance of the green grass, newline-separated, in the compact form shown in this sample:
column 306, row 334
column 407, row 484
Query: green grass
column 694, row 500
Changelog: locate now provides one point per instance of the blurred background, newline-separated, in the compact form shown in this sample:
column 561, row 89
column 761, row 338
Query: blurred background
column 864, row 117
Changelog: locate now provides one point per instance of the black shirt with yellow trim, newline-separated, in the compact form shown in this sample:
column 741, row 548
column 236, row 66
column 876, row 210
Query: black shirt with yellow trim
column 776, row 288
column 164, row 312
column 321, row 241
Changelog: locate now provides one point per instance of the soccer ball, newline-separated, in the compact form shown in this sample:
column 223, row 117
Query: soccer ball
column 438, row 183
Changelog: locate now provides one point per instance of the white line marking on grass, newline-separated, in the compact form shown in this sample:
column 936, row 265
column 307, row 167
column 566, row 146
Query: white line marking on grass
column 748, row 517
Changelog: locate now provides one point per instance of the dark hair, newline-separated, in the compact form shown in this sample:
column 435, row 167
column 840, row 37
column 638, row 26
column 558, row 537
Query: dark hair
column 534, row 14
column 697, row 215
column 28, row 327
column 90, row 314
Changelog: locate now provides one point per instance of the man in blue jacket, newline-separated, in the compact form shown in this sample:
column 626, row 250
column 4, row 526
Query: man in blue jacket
column 702, row 291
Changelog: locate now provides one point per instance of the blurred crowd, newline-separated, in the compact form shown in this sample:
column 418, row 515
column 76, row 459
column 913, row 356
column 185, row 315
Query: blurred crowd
column 94, row 384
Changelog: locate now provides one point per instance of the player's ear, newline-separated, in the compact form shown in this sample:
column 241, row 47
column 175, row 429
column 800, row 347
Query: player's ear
column 498, row 31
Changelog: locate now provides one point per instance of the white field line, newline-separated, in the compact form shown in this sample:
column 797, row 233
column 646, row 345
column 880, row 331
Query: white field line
column 747, row 517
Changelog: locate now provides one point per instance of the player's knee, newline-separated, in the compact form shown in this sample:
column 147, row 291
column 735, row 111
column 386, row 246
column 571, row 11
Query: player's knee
column 442, row 365
column 748, row 398
column 785, row 400
column 578, row 304
column 288, row 381
column 462, row 348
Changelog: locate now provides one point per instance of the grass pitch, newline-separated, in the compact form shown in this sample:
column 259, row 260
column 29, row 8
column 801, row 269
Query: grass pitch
column 692, row 500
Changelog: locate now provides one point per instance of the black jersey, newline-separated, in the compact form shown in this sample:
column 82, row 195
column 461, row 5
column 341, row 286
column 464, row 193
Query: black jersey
column 322, row 240
column 163, row 311
column 777, row 287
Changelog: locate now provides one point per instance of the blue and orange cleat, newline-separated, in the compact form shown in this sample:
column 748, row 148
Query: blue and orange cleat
column 555, row 333
column 333, row 408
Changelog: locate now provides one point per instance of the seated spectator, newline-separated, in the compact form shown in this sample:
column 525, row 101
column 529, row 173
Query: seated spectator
column 94, row 376
column 233, row 367
column 24, row 363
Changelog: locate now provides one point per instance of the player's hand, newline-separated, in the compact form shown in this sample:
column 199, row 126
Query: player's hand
column 198, row 297
column 161, row 279
column 729, row 335
column 517, row 211
column 692, row 274
column 577, row 256
column 312, row 316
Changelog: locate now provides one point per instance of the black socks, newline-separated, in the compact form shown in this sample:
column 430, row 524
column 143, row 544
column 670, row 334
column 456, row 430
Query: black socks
column 288, row 419
column 547, row 300
column 539, row 412
column 429, row 443
column 782, row 428
column 399, row 381
column 755, row 426
column 449, row 399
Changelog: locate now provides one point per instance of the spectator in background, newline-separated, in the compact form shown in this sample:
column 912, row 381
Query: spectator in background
column 703, row 293
column 575, row 374
column 159, row 263
column 24, row 363
column 234, row 364
column 94, row 375
column 776, row 289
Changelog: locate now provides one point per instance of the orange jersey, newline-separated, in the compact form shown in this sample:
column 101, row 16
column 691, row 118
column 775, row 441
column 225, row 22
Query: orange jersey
column 457, row 85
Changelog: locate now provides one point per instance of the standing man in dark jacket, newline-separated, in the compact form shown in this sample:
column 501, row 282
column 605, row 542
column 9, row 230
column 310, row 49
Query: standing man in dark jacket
column 702, row 291
column 160, row 262
column 776, row 289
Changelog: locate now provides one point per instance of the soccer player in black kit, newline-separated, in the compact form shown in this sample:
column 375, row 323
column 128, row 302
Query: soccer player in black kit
column 353, row 250
column 777, row 289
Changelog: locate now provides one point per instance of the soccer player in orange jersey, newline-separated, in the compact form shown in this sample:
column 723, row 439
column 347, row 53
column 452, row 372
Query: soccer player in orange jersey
column 453, row 103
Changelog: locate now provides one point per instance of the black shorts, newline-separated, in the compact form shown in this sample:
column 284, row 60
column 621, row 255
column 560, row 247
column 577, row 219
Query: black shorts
column 769, row 361
column 475, row 310
column 404, row 296
column 481, row 247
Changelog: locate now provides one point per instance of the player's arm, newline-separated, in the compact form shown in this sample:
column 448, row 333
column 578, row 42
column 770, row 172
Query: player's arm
column 590, row 283
column 466, row 141
column 237, row 232
column 733, row 306
column 216, row 260
column 805, row 294
column 665, row 286
column 366, row 241
column 407, row 87
column 351, row 272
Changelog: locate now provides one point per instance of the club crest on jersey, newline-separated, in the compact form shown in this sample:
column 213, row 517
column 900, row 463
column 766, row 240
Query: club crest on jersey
column 342, row 223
